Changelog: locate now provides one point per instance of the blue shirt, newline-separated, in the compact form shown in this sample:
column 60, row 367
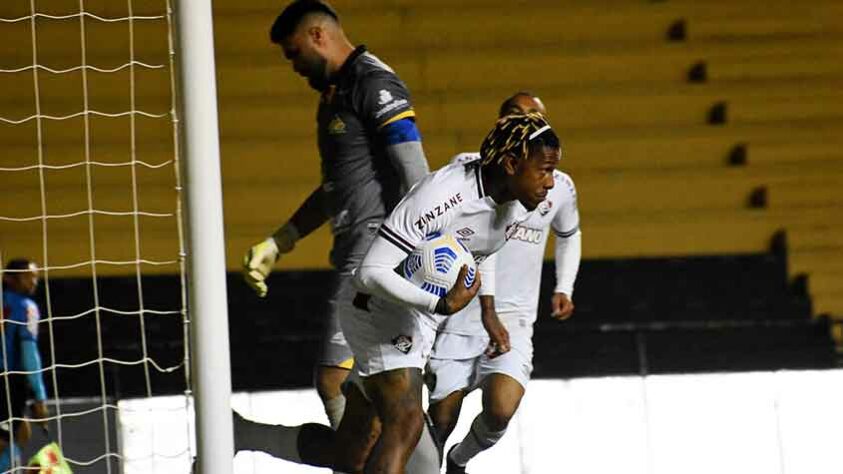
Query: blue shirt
column 20, row 321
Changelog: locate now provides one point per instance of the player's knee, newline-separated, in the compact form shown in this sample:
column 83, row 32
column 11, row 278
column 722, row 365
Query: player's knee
column 498, row 416
column 326, row 390
column 444, row 423
column 328, row 382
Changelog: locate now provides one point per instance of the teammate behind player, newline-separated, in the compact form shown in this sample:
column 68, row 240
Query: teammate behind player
column 19, row 353
column 371, row 154
column 499, row 359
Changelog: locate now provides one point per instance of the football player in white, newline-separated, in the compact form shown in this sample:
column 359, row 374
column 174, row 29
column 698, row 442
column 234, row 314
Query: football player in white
column 488, row 345
column 481, row 203
column 392, row 329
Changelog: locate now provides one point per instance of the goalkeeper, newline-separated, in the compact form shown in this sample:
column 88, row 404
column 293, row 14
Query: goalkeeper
column 371, row 154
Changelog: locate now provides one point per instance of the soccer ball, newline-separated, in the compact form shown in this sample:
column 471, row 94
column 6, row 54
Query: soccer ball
column 435, row 264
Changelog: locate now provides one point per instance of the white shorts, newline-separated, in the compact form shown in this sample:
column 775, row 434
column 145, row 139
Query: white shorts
column 387, row 336
column 456, row 364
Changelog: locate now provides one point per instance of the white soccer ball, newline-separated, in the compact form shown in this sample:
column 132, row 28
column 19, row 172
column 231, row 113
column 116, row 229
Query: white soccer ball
column 435, row 264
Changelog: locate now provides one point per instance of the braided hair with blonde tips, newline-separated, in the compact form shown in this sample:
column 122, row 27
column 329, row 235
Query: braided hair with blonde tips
column 517, row 135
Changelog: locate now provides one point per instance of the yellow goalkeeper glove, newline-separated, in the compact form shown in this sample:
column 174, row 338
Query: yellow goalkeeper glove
column 259, row 260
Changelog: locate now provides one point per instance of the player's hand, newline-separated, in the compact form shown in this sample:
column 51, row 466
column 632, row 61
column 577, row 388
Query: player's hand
column 41, row 413
column 561, row 306
column 258, row 263
column 459, row 295
column 498, row 335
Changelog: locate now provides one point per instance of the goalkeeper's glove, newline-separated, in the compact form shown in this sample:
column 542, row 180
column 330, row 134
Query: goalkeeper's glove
column 259, row 260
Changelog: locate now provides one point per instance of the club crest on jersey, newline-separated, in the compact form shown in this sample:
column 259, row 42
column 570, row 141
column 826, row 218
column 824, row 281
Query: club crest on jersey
column 438, row 210
column 336, row 126
column 403, row 343
column 545, row 207
column 510, row 230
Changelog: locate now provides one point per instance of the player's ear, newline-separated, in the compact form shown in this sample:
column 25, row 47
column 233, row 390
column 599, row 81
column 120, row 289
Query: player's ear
column 317, row 35
column 510, row 164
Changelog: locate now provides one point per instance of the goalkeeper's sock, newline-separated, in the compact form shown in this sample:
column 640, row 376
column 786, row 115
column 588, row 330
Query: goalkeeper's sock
column 478, row 439
column 334, row 408
column 277, row 440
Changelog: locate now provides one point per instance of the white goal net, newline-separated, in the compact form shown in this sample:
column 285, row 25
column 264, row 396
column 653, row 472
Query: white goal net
column 89, row 170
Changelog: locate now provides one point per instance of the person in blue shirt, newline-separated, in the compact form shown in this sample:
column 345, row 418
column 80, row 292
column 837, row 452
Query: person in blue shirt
column 21, row 361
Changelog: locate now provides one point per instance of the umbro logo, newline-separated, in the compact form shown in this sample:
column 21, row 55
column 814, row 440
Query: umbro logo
column 465, row 232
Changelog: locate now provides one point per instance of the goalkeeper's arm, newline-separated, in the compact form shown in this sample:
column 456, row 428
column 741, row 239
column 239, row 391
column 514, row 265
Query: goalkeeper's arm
column 261, row 257
column 405, row 150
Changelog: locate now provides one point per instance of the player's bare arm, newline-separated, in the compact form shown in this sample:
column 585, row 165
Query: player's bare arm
column 498, row 335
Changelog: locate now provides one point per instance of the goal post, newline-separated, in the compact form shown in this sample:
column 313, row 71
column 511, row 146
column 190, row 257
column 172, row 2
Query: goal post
column 206, row 250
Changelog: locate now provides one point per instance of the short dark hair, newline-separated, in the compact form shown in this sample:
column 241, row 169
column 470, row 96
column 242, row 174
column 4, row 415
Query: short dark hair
column 289, row 19
column 510, row 102
column 18, row 264
column 517, row 135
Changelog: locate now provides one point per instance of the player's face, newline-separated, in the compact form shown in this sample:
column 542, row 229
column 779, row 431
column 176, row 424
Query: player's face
column 300, row 50
column 27, row 282
column 533, row 177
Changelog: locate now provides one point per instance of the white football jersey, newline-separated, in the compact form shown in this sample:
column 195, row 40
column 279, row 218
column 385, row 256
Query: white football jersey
column 519, row 262
column 452, row 201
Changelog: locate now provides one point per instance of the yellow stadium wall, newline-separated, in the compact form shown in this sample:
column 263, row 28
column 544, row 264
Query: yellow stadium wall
column 652, row 169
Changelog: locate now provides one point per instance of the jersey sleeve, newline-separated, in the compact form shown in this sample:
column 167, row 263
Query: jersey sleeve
column 25, row 318
column 566, row 221
column 414, row 218
column 488, row 272
column 381, row 99
column 33, row 317
column 425, row 210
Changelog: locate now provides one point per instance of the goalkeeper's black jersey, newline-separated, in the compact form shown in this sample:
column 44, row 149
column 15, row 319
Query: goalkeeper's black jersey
column 360, row 183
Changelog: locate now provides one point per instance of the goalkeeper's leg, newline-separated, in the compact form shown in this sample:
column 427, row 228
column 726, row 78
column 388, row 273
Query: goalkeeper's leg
column 335, row 359
column 313, row 444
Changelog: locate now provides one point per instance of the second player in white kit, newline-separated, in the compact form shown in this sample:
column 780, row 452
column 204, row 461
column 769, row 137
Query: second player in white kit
column 465, row 357
column 459, row 360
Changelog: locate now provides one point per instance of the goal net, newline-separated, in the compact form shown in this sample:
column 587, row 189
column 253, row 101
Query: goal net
column 89, row 170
